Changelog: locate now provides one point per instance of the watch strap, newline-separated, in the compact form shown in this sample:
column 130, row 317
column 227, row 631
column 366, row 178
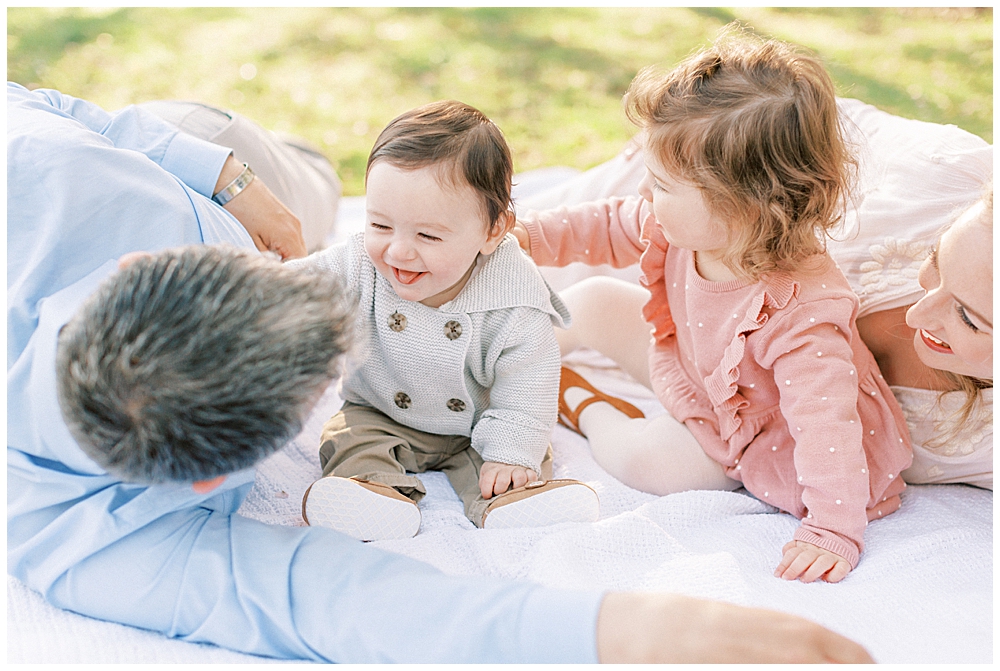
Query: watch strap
column 233, row 188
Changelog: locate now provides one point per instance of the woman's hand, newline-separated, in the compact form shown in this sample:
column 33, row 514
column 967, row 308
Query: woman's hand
column 808, row 562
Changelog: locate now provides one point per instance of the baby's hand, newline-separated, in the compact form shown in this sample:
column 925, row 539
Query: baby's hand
column 521, row 233
column 496, row 478
column 808, row 562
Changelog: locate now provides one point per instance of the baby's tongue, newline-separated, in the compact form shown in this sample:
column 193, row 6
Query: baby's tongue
column 406, row 276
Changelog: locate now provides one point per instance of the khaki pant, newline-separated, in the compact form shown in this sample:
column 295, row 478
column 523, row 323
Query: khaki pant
column 361, row 442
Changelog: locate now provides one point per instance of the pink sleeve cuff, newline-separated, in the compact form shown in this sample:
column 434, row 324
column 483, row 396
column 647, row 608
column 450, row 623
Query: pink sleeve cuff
column 534, row 248
column 832, row 542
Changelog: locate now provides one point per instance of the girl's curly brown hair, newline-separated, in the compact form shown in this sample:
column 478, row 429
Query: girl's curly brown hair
column 754, row 124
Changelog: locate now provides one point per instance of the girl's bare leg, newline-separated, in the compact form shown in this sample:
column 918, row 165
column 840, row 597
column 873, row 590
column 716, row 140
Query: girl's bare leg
column 607, row 317
column 656, row 455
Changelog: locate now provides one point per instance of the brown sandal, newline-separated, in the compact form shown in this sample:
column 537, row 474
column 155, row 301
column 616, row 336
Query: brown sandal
column 570, row 418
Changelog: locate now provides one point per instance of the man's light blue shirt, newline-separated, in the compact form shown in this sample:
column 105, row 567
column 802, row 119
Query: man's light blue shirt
column 84, row 188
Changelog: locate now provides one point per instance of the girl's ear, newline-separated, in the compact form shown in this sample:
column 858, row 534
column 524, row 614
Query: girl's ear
column 504, row 225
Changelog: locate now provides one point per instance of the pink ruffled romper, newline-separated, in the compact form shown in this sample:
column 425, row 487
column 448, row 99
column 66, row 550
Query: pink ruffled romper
column 771, row 377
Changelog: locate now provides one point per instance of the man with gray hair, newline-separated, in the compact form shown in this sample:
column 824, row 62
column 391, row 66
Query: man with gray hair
column 146, row 378
column 205, row 334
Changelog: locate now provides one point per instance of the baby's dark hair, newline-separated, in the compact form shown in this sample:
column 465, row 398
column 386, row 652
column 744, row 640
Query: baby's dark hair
column 461, row 139
column 754, row 124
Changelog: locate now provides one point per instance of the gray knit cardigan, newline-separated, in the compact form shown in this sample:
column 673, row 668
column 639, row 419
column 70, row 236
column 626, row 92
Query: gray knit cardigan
column 485, row 364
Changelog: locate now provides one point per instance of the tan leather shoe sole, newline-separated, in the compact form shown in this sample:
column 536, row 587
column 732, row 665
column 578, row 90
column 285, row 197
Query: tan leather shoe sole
column 368, row 511
column 543, row 503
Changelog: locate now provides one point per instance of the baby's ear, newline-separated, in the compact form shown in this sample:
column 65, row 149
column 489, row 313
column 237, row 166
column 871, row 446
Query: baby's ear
column 504, row 225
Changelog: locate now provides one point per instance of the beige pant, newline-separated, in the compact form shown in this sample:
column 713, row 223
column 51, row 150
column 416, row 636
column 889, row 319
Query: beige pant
column 363, row 443
column 298, row 174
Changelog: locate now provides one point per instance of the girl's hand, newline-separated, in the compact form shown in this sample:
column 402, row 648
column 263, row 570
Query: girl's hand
column 521, row 233
column 808, row 562
column 496, row 478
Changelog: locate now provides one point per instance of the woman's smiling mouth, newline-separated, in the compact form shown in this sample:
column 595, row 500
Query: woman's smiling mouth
column 934, row 343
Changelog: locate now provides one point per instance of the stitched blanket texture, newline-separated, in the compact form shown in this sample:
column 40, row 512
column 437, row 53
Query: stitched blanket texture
column 922, row 593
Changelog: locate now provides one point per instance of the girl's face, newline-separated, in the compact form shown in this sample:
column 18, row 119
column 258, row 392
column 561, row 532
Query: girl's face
column 423, row 234
column 681, row 211
column 954, row 319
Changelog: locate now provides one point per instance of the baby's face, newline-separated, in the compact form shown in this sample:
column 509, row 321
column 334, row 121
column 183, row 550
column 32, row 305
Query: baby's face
column 682, row 213
column 423, row 234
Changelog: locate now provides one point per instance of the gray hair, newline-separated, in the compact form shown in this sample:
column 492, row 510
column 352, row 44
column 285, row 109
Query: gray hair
column 197, row 362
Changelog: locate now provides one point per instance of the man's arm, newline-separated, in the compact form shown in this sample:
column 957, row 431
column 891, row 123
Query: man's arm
column 311, row 593
column 204, row 167
column 194, row 162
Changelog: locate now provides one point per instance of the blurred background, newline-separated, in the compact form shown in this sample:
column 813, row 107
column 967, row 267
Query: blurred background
column 551, row 78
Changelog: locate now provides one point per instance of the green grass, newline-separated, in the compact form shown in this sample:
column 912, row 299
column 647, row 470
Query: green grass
column 552, row 78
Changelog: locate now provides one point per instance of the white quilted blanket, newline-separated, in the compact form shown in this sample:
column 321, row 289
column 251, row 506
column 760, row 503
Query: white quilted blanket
column 923, row 591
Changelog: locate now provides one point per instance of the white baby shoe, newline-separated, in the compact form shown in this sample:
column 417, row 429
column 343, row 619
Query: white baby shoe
column 368, row 511
column 542, row 503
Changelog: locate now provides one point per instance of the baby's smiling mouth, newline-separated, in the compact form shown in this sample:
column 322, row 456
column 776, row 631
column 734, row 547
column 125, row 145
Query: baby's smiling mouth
column 406, row 276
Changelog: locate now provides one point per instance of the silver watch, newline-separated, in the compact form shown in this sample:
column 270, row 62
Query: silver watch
column 237, row 185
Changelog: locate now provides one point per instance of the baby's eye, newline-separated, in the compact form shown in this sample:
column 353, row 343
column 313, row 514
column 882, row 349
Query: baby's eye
column 379, row 227
column 965, row 318
column 429, row 237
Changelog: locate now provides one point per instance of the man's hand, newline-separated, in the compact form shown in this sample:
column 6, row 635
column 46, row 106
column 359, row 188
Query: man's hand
column 808, row 562
column 521, row 233
column 654, row 628
column 270, row 224
column 496, row 478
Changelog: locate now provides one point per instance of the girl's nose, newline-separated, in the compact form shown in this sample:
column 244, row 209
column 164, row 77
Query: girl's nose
column 646, row 187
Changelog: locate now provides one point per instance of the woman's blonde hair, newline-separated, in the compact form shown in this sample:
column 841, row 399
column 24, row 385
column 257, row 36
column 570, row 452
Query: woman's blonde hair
column 754, row 124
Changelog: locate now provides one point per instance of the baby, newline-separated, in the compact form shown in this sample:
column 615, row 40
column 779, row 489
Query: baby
column 457, row 368
column 744, row 328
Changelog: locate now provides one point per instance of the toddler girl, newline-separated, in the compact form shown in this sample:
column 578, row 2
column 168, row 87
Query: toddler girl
column 457, row 365
column 754, row 350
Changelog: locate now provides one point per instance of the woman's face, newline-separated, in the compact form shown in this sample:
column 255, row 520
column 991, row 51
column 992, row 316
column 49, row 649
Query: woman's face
column 954, row 319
